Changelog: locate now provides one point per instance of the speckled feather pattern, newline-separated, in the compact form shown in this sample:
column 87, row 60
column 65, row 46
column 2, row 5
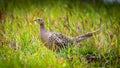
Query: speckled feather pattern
column 60, row 40
column 56, row 41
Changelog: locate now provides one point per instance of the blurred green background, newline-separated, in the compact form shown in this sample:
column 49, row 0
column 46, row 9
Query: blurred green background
column 20, row 46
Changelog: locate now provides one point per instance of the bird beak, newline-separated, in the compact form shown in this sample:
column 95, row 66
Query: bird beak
column 35, row 21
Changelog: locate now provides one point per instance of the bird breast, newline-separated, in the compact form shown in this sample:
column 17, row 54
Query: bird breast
column 44, row 35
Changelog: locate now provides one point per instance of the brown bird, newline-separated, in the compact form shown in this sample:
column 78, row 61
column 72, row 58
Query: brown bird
column 56, row 41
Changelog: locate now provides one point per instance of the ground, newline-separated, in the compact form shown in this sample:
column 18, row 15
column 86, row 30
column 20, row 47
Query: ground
column 21, row 47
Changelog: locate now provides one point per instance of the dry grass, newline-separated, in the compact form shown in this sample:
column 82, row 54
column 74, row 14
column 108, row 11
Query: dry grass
column 20, row 46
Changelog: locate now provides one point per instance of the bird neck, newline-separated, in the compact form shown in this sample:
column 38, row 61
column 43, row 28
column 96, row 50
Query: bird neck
column 42, row 26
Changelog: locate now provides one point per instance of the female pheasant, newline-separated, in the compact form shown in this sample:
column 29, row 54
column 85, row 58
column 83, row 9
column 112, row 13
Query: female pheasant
column 56, row 41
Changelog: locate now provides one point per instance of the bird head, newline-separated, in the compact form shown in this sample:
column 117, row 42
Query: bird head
column 39, row 20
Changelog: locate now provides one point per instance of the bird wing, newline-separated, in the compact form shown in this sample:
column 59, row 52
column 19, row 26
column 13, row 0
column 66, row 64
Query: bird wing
column 60, row 40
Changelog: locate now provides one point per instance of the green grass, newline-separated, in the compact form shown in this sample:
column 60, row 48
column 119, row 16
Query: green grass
column 20, row 46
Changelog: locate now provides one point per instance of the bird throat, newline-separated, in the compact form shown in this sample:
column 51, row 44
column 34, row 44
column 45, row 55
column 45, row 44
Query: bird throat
column 42, row 26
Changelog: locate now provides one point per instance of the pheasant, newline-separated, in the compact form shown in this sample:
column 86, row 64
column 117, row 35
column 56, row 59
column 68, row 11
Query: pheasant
column 56, row 41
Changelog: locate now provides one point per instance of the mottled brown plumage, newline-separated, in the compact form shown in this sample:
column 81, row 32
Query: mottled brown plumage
column 56, row 41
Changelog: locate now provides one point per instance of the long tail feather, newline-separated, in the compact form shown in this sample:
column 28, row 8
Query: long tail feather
column 87, row 35
column 90, row 34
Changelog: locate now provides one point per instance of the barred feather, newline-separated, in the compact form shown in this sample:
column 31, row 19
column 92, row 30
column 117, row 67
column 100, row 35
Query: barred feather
column 57, row 41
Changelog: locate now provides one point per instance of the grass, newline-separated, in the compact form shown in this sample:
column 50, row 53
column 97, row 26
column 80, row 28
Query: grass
column 20, row 46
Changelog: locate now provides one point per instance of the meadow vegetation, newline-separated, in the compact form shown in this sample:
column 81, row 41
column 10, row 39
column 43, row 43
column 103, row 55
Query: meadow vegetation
column 20, row 46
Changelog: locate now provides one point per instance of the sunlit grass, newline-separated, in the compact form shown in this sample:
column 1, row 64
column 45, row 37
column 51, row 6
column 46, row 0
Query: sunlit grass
column 21, row 46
